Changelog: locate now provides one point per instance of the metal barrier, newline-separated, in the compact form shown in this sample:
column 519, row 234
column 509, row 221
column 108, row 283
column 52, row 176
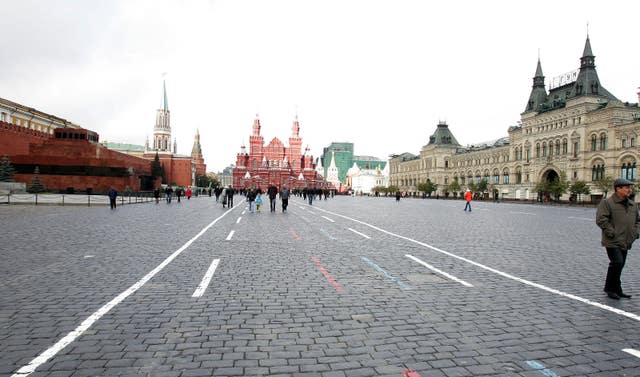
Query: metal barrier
column 74, row 199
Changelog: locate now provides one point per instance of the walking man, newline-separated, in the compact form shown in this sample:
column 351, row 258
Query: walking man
column 272, row 191
column 467, row 197
column 284, row 197
column 230, row 192
column 113, row 194
column 617, row 216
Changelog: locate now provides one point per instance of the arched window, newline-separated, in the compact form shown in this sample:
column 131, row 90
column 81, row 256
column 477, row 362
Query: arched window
column 564, row 147
column 576, row 148
column 629, row 171
column 557, row 147
column 537, row 150
column 594, row 143
column 518, row 175
column 633, row 142
column 544, row 149
column 505, row 176
column 603, row 142
column 597, row 172
column 496, row 176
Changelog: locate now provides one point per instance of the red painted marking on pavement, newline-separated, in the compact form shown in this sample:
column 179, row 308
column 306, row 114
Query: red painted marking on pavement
column 410, row 373
column 294, row 234
column 327, row 275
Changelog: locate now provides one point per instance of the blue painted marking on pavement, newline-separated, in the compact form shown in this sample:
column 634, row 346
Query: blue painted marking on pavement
column 541, row 368
column 391, row 277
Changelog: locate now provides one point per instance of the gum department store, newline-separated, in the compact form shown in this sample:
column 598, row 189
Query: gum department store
column 577, row 128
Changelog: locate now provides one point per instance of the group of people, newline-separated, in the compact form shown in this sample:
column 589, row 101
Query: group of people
column 254, row 197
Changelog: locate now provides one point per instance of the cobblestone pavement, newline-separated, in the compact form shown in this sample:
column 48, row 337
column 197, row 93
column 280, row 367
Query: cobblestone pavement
column 346, row 287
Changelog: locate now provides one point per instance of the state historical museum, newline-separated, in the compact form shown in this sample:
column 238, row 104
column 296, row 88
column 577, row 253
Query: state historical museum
column 276, row 164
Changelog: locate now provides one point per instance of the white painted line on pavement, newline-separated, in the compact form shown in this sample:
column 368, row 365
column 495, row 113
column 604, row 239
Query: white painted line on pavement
column 631, row 351
column 230, row 235
column 67, row 339
column 238, row 221
column 524, row 213
column 498, row 272
column 427, row 265
column 88, row 256
column 328, row 219
column 362, row 234
column 581, row 218
column 206, row 279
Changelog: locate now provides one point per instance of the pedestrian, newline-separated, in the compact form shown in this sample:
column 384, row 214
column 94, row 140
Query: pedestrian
column 467, row 197
column 169, row 193
column 188, row 193
column 156, row 194
column 113, row 194
column 230, row 192
column 272, row 192
column 398, row 196
column 618, row 218
column 284, row 198
column 217, row 191
column 310, row 195
column 251, row 198
column 258, row 202
column 178, row 193
column 224, row 197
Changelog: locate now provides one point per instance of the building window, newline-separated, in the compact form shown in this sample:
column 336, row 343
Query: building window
column 633, row 141
column 557, row 147
column 594, row 143
column 624, row 142
column 496, row 177
column 597, row 172
column 527, row 153
column 629, row 171
column 4, row 117
column 505, row 178
column 544, row 149
column 603, row 142
column 537, row 150
column 564, row 147
column 575, row 149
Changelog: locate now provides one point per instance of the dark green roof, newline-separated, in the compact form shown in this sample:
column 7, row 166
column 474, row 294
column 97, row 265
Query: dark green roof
column 443, row 136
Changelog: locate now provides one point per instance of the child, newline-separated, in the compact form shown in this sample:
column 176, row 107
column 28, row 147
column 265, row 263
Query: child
column 258, row 202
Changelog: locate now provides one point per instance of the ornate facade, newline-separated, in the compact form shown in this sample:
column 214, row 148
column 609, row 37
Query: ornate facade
column 577, row 128
column 275, row 164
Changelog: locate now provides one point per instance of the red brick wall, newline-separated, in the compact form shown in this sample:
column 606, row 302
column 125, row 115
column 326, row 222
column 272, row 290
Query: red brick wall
column 28, row 147
column 16, row 139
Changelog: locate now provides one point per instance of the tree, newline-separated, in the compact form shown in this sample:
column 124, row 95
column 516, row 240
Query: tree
column 36, row 186
column 482, row 186
column 454, row 187
column 203, row 180
column 392, row 189
column 578, row 188
column 427, row 187
column 7, row 170
column 156, row 167
column 542, row 188
column 604, row 184
column 163, row 174
column 560, row 185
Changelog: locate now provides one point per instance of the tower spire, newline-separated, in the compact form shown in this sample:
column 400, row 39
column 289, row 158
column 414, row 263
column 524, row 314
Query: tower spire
column 538, row 94
column 162, row 128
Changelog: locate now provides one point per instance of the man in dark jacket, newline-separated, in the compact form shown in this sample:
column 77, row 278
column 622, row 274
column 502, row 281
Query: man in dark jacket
column 272, row 191
column 113, row 194
column 618, row 218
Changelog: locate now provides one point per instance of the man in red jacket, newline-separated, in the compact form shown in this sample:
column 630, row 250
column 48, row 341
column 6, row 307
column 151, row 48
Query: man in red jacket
column 468, row 196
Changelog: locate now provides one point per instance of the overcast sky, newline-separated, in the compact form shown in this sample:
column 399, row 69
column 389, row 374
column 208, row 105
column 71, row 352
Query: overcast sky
column 379, row 74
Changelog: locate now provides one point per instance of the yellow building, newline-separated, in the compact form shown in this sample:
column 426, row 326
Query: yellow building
column 576, row 128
